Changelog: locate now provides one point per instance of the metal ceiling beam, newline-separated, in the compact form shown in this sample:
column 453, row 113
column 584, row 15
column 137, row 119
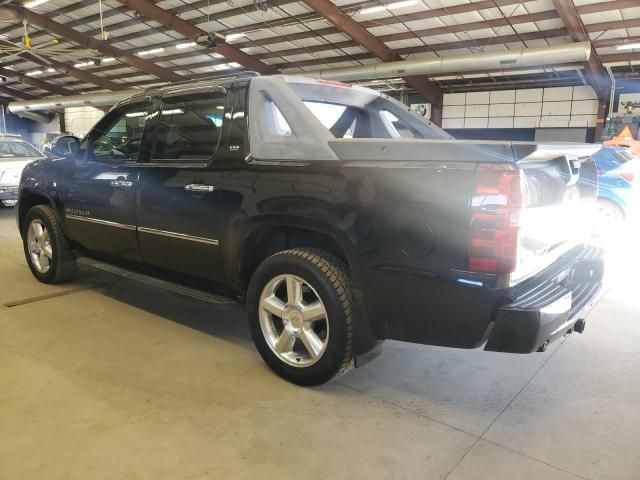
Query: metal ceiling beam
column 471, row 44
column 413, row 34
column 595, row 73
column 432, row 13
column 409, row 50
column 15, row 93
column 301, row 19
column 84, row 75
column 190, row 31
column 615, row 25
column 495, row 23
column 602, row 6
column 34, row 82
column 425, row 87
column 620, row 57
column 324, row 60
column 614, row 42
column 59, row 11
column 606, row 6
column 68, row 70
column 54, row 27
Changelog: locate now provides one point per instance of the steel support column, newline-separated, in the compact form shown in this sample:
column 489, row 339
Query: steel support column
column 595, row 73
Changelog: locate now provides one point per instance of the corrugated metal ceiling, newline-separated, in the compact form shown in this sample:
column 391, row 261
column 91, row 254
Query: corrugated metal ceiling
column 293, row 37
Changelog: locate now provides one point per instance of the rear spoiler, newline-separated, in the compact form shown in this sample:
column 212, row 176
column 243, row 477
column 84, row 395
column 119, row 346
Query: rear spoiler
column 398, row 151
column 525, row 151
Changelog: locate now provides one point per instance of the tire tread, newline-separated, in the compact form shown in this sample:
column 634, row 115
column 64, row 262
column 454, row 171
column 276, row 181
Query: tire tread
column 67, row 267
column 335, row 271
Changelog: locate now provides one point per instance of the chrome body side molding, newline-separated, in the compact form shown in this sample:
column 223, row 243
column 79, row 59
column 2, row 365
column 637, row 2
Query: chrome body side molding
column 181, row 236
column 152, row 231
column 100, row 222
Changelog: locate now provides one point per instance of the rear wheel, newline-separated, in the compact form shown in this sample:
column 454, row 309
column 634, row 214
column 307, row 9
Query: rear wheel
column 300, row 315
column 45, row 247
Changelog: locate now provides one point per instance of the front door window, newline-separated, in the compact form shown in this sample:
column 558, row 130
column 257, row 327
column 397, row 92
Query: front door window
column 118, row 138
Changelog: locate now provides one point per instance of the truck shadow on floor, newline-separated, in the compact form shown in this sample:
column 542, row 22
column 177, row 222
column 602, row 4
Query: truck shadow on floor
column 226, row 321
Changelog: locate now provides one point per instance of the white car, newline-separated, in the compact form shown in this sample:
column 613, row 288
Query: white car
column 15, row 154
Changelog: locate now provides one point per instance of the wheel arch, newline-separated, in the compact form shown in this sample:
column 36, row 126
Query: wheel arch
column 261, row 241
column 28, row 200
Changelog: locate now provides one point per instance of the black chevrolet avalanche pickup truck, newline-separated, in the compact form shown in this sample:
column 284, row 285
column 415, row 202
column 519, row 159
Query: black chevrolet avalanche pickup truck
column 337, row 216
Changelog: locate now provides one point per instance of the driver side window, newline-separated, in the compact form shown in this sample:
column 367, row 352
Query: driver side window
column 119, row 138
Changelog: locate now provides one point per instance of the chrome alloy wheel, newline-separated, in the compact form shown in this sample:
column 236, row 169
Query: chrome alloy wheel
column 293, row 320
column 39, row 245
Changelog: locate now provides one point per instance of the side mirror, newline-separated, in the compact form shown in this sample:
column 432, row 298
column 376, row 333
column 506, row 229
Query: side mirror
column 66, row 146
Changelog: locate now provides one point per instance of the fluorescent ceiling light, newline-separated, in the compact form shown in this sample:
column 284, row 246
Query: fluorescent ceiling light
column 180, row 46
column 175, row 111
column 388, row 6
column 150, row 52
column 376, row 9
column 84, row 64
column 628, row 46
column 135, row 114
column 34, row 73
column 234, row 36
column 221, row 66
column 51, row 70
column 34, row 3
column 108, row 59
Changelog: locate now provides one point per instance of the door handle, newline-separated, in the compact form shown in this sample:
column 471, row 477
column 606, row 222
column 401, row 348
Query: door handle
column 121, row 184
column 199, row 188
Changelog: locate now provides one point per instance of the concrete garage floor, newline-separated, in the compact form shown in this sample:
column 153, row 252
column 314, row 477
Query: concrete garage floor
column 107, row 379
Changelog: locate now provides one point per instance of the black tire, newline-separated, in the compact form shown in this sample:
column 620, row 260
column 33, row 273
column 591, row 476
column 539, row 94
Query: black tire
column 327, row 275
column 63, row 264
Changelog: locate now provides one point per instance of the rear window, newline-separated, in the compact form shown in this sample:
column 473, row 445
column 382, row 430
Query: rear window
column 17, row 149
column 354, row 112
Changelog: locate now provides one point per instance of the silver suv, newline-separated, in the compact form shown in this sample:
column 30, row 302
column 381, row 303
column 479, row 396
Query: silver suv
column 15, row 154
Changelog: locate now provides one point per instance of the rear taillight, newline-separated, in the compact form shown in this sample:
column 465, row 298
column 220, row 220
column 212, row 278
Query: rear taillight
column 496, row 205
column 628, row 176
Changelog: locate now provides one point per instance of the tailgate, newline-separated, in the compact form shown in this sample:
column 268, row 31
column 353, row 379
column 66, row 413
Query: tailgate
column 560, row 186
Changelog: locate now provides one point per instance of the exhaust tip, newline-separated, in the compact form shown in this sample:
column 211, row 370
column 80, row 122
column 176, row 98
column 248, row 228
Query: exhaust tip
column 579, row 326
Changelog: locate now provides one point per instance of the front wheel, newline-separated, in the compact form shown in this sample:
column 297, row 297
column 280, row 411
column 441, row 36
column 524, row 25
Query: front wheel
column 299, row 307
column 45, row 247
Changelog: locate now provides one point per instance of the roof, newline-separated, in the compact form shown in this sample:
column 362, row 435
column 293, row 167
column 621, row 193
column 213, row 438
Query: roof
column 292, row 37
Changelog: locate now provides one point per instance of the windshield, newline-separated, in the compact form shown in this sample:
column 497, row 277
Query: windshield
column 349, row 111
column 17, row 150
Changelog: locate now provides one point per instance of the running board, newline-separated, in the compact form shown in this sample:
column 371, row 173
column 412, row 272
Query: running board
column 157, row 283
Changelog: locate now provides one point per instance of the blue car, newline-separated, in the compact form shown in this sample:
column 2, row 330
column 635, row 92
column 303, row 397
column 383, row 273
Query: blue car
column 618, row 193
